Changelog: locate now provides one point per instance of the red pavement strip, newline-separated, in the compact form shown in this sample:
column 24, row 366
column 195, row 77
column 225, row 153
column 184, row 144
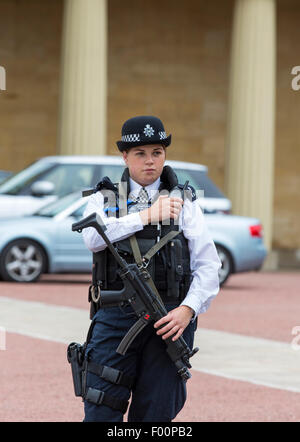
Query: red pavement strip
column 36, row 385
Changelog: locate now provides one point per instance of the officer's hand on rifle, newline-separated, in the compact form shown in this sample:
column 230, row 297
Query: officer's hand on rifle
column 176, row 321
column 164, row 208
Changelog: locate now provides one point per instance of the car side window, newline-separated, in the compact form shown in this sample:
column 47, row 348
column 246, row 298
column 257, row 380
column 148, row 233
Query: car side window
column 67, row 178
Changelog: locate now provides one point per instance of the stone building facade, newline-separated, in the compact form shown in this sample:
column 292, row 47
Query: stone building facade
column 217, row 73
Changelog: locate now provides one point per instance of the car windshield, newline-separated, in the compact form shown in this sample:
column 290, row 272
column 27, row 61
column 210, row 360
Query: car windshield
column 12, row 185
column 58, row 206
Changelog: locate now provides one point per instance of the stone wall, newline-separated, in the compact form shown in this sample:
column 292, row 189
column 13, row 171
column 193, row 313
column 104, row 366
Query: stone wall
column 169, row 58
column 286, row 233
column 30, row 39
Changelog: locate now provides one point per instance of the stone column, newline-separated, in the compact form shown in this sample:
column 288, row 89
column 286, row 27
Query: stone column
column 250, row 130
column 83, row 95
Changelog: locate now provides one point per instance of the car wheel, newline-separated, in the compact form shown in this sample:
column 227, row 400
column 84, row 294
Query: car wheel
column 22, row 260
column 226, row 261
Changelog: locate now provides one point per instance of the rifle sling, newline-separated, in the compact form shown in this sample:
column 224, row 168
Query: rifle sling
column 157, row 246
column 151, row 252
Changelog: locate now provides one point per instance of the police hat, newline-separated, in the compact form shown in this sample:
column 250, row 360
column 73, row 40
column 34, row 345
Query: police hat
column 142, row 130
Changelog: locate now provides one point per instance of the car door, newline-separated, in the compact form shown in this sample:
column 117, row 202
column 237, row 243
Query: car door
column 72, row 254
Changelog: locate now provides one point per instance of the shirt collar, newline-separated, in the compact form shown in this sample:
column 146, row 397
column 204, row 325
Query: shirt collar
column 151, row 188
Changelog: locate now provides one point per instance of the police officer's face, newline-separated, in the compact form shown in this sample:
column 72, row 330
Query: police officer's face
column 145, row 163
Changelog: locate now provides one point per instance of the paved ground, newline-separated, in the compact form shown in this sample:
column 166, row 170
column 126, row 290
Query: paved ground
column 247, row 369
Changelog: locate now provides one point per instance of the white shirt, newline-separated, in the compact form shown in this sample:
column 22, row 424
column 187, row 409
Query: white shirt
column 204, row 260
column 151, row 188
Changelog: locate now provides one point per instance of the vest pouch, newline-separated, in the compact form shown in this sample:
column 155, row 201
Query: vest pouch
column 145, row 244
column 112, row 267
column 175, row 268
column 99, row 267
column 123, row 248
column 98, row 280
column 185, row 285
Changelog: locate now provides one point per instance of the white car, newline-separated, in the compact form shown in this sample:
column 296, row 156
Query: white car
column 53, row 177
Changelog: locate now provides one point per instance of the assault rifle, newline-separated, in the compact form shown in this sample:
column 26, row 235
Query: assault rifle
column 137, row 293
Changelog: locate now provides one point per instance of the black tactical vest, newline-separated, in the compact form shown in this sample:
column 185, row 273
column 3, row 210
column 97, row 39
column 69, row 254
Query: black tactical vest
column 169, row 267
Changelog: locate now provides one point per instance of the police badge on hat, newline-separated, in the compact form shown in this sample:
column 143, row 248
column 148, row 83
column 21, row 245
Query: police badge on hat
column 143, row 130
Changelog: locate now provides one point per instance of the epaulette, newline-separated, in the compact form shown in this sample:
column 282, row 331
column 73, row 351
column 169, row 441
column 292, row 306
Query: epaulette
column 189, row 192
column 105, row 183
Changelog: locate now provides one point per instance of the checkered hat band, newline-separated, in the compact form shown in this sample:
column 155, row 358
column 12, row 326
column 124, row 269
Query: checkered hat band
column 162, row 135
column 131, row 137
column 136, row 137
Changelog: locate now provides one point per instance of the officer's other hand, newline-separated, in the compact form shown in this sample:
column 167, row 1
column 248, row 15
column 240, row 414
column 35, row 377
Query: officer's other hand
column 174, row 322
column 164, row 208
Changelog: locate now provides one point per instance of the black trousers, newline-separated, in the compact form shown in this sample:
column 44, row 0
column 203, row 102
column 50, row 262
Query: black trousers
column 158, row 393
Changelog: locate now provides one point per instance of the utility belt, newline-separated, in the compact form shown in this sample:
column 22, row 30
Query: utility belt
column 80, row 366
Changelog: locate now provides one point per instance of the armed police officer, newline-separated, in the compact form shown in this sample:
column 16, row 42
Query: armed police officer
column 154, row 225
